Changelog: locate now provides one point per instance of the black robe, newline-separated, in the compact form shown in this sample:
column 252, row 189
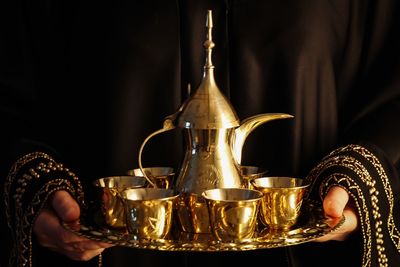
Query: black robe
column 86, row 82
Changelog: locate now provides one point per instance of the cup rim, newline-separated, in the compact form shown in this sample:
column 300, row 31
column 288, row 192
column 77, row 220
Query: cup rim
column 252, row 175
column 259, row 193
column 97, row 182
column 171, row 197
column 254, row 182
column 169, row 171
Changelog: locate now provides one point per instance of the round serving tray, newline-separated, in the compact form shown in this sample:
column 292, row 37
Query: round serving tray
column 312, row 224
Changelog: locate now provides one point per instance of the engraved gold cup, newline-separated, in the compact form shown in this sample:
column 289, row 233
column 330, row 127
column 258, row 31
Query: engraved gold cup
column 149, row 211
column 108, row 189
column 233, row 212
column 282, row 200
column 163, row 177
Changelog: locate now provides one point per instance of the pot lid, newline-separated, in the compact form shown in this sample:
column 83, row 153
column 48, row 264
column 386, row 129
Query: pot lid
column 208, row 108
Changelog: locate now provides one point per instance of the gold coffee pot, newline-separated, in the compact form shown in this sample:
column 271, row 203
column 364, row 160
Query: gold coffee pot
column 214, row 140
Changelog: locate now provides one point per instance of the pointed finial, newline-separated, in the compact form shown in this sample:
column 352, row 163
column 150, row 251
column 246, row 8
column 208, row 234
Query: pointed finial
column 209, row 44
column 189, row 89
column 209, row 22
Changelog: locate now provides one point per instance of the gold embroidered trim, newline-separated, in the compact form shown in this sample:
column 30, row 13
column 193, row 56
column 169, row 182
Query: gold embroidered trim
column 12, row 174
column 334, row 160
column 100, row 260
column 25, row 227
column 24, row 217
column 393, row 231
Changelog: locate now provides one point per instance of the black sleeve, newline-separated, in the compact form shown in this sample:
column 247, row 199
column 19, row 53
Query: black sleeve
column 367, row 164
column 373, row 184
column 28, row 169
column 371, row 108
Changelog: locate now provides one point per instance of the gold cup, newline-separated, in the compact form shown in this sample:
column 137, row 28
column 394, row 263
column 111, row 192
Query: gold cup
column 109, row 189
column 281, row 202
column 249, row 173
column 163, row 177
column 149, row 211
column 233, row 212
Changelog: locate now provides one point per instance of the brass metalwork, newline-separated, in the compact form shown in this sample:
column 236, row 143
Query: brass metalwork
column 233, row 212
column 312, row 224
column 211, row 206
column 192, row 213
column 249, row 173
column 175, row 215
column 108, row 189
column 214, row 140
column 282, row 200
column 167, row 126
column 148, row 211
column 162, row 177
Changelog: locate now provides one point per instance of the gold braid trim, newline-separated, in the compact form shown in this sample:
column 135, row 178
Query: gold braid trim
column 393, row 230
column 100, row 260
column 11, row 177
column 334, row 159
column 50, row 176
column 25, row 226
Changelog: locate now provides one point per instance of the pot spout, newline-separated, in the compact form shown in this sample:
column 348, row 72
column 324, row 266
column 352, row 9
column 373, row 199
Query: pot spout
column 247, row 126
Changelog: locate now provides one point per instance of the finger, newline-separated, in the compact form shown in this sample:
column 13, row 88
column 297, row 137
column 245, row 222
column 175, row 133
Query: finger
column 349, row 226
column 88, row 245
column 65, row 206
column 83, row 256
column 43, row 228
column 50, row 233
column 335, row 201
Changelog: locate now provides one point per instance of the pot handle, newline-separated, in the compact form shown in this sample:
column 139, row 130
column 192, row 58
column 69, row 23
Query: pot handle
column 167, row 125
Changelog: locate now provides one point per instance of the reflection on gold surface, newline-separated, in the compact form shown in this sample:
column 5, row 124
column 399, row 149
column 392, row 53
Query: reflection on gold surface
column 192, row 213
column 149, row 211
column 282, row 200
column 233, row 212
column 162, row 177
column 109, row 188
column 249, row 173
column 311, row 225
column 214, row 138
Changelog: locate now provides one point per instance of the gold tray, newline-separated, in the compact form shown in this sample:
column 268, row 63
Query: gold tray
column 312, row 224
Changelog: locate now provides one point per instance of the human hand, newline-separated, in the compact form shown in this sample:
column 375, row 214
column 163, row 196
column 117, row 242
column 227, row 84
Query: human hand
column 51, row 234
column 336, row 203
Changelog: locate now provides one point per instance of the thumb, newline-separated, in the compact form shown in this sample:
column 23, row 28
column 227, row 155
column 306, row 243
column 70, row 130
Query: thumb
column 335, row 201
column 65, row 206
